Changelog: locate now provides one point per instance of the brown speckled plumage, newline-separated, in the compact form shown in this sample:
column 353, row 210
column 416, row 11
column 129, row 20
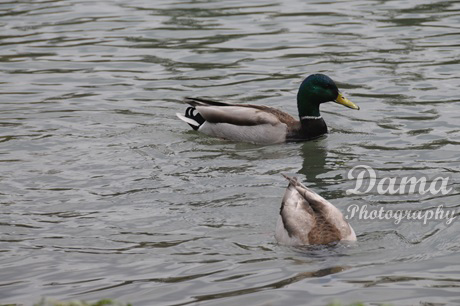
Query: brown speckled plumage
column 307, row 218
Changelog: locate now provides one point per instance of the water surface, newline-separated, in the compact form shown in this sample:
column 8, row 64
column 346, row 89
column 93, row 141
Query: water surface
column 105, row 193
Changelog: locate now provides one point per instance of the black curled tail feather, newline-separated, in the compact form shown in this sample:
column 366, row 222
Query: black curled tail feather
column 191, row 113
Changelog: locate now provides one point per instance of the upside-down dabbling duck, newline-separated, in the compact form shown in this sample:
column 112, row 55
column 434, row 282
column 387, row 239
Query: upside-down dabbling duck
column 263, row 124
column 307, row 218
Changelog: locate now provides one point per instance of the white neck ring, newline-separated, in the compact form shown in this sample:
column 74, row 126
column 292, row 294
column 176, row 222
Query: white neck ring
column 310, row 117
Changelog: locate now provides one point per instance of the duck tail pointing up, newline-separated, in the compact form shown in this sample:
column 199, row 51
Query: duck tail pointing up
column 309, row 195
column 195, row 120
column 292, row 180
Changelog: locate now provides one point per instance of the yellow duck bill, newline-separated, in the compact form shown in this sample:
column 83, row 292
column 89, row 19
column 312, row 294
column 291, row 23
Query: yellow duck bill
column 344, row 101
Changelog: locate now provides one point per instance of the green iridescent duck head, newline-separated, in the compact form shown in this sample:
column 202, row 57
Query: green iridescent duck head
column 317, row 89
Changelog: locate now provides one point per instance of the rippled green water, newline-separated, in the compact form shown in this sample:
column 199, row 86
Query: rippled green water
column 104, row 193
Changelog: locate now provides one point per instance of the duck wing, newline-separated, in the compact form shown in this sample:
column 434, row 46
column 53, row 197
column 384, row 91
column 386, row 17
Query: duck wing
column 236, row 114
column 296, row 219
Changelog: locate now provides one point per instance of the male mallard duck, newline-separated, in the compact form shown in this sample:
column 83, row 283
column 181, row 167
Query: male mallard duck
column 263, row 124
column 307, row 218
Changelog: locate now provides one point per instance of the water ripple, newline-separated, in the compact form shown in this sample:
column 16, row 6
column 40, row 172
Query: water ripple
column 104, row 193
